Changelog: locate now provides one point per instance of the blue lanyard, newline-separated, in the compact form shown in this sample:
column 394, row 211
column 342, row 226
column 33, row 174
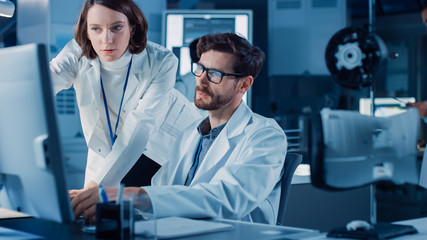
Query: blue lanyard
column 196, row 160
column 114, row 136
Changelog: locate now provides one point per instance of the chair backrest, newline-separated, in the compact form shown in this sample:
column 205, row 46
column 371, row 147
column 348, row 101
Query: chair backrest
column 292, row 161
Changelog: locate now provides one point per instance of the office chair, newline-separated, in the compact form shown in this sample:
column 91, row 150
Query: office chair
column 292, row 161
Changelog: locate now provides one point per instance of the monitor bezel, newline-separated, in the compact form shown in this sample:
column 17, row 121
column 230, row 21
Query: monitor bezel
column 194, row 13
column 47, row 153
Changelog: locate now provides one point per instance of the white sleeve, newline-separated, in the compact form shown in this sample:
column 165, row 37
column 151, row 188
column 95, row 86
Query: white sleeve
column 148, row 115
column 64, row 67
column 235, row 190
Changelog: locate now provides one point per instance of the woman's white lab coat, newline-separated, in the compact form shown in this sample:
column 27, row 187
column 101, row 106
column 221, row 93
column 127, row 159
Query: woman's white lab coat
column 154, row 113
column 237, row 179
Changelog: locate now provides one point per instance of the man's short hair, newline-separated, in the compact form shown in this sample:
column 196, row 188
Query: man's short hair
column 249, row 58
column 193, row 50
column 137, row 22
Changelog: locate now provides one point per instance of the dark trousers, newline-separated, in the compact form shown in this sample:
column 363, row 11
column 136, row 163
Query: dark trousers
column 141, row 173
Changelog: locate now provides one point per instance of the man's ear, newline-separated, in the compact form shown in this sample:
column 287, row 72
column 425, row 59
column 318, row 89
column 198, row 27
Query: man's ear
column 245, row 83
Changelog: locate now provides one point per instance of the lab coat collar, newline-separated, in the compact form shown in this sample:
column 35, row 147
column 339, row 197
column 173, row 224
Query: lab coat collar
column 140, row 63
column 238, row 120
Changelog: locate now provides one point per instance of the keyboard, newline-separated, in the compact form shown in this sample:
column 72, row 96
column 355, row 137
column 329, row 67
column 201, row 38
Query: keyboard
column 380, row 231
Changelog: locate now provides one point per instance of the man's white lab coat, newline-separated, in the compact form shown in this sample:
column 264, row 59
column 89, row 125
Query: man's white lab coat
column 237, row 179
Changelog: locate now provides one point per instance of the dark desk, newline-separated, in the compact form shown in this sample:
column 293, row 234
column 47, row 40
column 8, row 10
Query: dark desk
column 420, row 224
column 242, row 230
column 47, row 229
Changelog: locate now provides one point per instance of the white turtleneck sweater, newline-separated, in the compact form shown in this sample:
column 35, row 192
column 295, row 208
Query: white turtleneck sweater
column 113, row 78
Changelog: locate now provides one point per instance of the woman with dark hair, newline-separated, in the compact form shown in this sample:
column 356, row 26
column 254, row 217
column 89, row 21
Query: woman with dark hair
column 130, row 113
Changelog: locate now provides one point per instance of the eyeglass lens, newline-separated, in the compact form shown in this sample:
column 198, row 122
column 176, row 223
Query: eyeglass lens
column 213, row 75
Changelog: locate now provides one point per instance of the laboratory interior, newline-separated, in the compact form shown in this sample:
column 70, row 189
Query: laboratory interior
column 339, row 78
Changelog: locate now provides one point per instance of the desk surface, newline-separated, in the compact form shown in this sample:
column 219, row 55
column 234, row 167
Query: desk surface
column 52, row 230
column 242, row 230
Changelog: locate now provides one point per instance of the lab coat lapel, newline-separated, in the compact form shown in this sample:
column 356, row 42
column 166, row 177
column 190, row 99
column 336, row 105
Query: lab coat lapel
column 133, row 78
column 216, row 153
column 221, row 145
column 97, row 139
column 93, row 76
column 189, row 148
column 137, row 82
column 131, row 87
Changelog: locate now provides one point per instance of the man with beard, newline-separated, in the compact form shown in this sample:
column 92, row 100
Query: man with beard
column 228, row 165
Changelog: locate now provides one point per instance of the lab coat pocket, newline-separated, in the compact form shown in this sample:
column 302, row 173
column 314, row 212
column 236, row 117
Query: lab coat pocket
column 174, row 124
column 162, row 142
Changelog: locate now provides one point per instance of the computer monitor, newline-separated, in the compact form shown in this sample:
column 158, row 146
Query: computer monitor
column 384, row 107
column 350, row 150
column 32, row 175
column 181, row 27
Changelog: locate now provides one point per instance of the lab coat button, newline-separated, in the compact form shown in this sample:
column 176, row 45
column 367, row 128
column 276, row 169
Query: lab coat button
column 96, row 108
column 99, row 150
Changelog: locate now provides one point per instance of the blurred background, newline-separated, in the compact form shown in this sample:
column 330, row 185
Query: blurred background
column 294, row 82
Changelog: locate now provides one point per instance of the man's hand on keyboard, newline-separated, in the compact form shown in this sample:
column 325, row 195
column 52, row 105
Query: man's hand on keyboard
column 84, row 200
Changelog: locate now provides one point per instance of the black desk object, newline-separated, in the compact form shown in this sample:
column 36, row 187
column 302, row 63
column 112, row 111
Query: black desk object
column 380, row 231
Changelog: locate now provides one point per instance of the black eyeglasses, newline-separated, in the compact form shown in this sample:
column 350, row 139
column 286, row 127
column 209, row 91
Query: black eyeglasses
column 213, row 75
